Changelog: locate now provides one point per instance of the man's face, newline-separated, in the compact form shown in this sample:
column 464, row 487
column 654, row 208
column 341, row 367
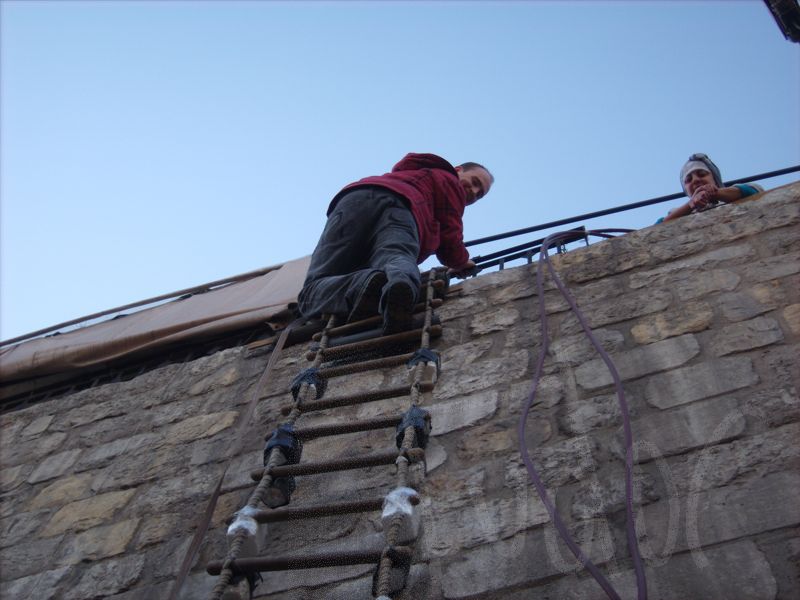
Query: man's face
column 695, row 179
column 476, row 183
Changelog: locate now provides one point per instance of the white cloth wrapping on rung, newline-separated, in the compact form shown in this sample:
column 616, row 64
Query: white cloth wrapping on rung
column 255, row 532
column 397, row 504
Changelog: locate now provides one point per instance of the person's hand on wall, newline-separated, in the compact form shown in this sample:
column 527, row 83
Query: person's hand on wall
column 703, row 196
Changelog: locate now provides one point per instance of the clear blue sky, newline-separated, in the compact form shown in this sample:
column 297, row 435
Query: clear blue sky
column 152, row 146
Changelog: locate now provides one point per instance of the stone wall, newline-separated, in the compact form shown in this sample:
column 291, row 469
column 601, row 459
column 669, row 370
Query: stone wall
column 101, row 489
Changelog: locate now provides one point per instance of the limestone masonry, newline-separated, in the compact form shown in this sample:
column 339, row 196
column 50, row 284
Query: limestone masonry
column 101, row 489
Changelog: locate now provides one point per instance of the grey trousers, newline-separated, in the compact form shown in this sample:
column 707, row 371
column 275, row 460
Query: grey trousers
column 370, row 230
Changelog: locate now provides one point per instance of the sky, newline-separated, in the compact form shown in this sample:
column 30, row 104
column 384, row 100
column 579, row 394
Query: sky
column 147, row 147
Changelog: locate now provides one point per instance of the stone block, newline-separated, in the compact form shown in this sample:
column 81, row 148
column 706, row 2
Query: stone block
column 223, row 378
column 525, row 558
column 286, row 580
column 435, row 455
column 604, row 493
column 19, row 526
column 509, row 291
column 601, row 290
column 773, row 408
column 780, row 241
column 91, row 413
column 751, row 302
column 42, row 586
column 632, row 305
column 32, row 450
column 773, row 268
column 735, row 570
column 691, row 285
column 482, row 522
column 103, row 455
column 641, row 361
column 97, row 543
column 483, row 374
column 26, row 559
column 106, row 430
column 549, row 392
column 557, row 464
column 602, row 259
column 451, row 416
column 778, row 364
column 723, row 514
column 498, row 437
column 691, row 426
column 164, row 560
column 498, row 318
column 168, row 494
column 465, row 305
column 159, row 527
column 461, row 355
column 689, row 318
column 452, row 488
column 200, row 426
column 700, row 381
column 715, row 466
column 698, row 267
column 791, row 314
column 11, row 477
column 738, row 337
column 574, row 349
column 37, row 426
column 54, row 465
column 107, row 578
column 582, row 416
column 87, row 513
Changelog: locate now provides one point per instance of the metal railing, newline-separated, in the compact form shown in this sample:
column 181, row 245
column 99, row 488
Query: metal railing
column 529, row 249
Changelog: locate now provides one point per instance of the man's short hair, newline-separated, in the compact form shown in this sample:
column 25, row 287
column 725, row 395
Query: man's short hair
column 468, row 166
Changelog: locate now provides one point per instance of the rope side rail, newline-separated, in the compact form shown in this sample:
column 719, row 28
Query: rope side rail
column 401, row 520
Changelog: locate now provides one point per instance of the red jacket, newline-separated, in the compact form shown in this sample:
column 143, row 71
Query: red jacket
column 431, row 186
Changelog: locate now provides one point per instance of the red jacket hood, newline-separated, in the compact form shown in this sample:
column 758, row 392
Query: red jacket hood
column 413, row 161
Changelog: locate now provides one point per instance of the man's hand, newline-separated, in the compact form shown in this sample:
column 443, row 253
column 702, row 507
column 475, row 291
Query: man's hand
column 463, row 271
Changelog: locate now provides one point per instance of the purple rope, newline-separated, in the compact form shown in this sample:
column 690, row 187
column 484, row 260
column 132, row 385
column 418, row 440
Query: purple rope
column 641, row 583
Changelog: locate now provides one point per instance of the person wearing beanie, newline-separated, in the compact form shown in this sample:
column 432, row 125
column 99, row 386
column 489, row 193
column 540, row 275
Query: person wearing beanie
column 702, row 183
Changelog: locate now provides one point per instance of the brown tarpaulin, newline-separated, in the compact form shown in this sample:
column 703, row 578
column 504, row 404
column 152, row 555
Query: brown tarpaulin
column 248, row 303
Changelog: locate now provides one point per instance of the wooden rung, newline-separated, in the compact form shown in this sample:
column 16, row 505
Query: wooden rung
column 306, row 561
column 295, row 513
column 387, row 457
column 359, row 398
column 369, row 322
column 318, row 431
column 343, row 351
column 367, row 365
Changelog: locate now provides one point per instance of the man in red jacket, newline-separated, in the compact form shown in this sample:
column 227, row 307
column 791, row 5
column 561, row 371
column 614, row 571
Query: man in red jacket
column 380, row 228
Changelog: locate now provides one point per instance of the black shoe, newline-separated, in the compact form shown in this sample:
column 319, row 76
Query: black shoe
column 398, row 308
column 369, row 299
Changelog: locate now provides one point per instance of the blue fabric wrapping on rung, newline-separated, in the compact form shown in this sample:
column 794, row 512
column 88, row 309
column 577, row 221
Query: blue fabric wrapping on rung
column 311, row 377
column 420, row 420
column 426, row 355
column 285, row 438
